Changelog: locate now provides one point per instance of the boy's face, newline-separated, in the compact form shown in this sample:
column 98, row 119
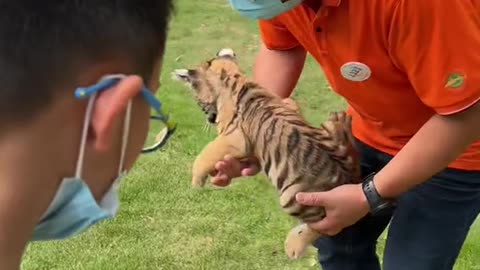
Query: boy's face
column 38, row 155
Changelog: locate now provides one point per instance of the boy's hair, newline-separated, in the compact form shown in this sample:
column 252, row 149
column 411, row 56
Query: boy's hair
column 47, row 44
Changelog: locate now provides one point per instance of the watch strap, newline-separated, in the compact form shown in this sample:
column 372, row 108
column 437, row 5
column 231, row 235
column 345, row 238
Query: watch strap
column 375, row 201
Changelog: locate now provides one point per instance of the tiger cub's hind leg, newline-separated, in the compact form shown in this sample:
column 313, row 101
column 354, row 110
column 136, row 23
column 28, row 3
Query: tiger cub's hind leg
column 299, row 239
column 233, row 144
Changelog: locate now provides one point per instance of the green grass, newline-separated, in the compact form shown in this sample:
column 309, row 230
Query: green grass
column 165, row 224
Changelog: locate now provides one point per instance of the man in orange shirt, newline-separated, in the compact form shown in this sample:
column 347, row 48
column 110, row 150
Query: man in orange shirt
column 409, row 71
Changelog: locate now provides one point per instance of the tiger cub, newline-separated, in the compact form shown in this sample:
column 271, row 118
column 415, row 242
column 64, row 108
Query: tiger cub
column 252, row 121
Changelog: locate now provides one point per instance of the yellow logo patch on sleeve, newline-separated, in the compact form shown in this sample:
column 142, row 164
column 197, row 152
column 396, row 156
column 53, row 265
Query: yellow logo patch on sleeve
column 455, row 80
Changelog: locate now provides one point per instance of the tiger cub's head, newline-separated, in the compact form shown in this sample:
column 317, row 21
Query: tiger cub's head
column 213, row 84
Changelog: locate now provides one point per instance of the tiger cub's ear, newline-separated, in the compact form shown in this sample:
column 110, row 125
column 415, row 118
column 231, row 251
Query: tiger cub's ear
column 226, row 52
column 185, row 75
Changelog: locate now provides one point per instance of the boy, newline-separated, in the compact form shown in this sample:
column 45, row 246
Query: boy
column 409, row 71
column 63, row 152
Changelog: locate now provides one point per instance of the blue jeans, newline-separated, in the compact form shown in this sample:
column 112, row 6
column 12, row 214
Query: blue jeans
column 427, row 229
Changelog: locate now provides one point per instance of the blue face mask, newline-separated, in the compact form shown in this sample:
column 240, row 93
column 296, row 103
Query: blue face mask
column 263, row 9
column 73, row 208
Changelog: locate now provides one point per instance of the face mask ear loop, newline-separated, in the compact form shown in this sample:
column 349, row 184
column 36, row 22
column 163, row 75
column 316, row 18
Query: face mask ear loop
column 126, row 131
column 83, row 142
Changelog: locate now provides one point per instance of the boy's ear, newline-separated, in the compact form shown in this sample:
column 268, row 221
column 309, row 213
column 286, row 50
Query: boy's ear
column 111, row 105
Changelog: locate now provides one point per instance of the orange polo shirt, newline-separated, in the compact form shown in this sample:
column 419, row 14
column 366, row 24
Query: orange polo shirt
column 396, row 62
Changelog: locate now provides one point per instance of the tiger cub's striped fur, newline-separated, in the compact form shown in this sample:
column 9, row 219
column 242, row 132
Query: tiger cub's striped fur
column 251, row 121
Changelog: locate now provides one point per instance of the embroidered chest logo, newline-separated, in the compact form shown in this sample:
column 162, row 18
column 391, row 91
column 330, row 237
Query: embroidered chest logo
column 455, row 80
column 355, row 71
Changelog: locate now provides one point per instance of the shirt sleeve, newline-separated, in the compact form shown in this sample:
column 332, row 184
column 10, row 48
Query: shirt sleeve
column 276, row 36
column 436, row 43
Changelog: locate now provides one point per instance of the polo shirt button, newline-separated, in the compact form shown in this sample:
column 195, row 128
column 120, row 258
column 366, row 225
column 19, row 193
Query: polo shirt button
column 318, row 29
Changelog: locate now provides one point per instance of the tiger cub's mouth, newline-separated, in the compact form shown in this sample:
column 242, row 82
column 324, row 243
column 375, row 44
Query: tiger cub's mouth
column 211, row 113
column 212, row 117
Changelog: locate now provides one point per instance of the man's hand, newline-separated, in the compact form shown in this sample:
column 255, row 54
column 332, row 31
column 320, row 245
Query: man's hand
column 344, row 206
column 230, row 168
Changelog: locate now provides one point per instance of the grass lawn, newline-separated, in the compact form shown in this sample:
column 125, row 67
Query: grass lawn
column 165, row 224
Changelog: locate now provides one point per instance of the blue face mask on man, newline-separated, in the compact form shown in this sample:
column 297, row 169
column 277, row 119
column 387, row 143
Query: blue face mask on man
column 73, row 208
column 263, row 9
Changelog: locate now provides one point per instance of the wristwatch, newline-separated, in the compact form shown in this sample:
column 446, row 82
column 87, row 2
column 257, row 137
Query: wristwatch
column 378, row 205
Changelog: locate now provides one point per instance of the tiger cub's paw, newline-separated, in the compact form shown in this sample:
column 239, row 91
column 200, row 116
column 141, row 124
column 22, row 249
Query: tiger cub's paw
column 337, row 116
column 342, row 117
column 199, row 182
column 295, row 243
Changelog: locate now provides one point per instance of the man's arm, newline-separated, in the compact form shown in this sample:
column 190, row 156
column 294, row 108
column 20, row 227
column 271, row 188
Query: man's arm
column 439, row 142
column 279, row 71
column 434, row 147
column 445, row 76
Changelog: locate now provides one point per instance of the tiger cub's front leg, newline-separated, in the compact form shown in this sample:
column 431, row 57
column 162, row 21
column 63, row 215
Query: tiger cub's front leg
column 233, row 144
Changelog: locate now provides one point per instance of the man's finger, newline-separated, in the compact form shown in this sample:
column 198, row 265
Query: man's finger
column 311, row 198
column 248, row 172
column 220, row 166
column 221, row 180
column 251, row 170
column 325, row 226
column 233, row 167
column 333, row 232
column 221, row 183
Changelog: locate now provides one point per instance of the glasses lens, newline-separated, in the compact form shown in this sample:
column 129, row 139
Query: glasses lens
column 158, row 133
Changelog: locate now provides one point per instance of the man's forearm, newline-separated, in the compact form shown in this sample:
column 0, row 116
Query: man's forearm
column 278, row 71
column 438, row 143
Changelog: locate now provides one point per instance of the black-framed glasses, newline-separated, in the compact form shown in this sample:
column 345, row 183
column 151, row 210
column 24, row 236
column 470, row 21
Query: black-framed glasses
column 161, row 127
column 160, row 130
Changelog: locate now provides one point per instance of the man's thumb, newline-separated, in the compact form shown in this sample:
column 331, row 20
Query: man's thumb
column 311, row 199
